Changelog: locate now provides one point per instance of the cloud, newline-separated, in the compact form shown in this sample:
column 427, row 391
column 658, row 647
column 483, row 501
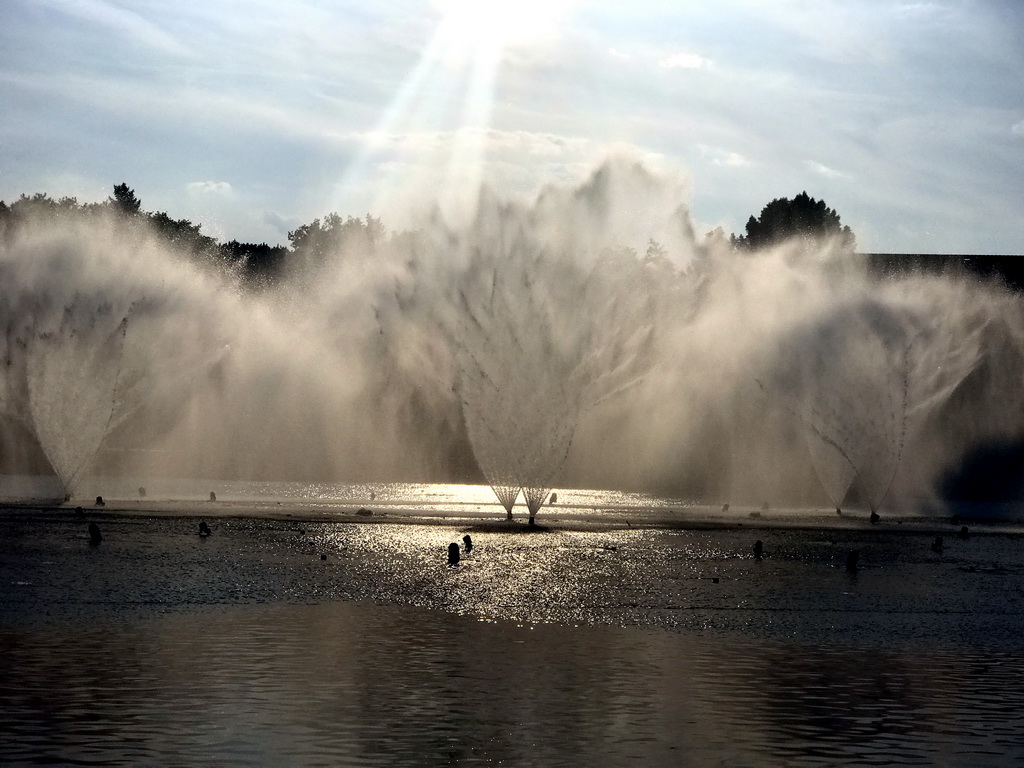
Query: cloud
column 128, row 24
column 824, row 170
column 220, row 188
column 734, row 159
column 282, row 224
column 284, row 105
column 498, row 143
column 724, row 157
column 684, row 61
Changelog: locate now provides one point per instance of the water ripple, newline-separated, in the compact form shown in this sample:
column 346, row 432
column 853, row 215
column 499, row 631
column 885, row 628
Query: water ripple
column 550, row 648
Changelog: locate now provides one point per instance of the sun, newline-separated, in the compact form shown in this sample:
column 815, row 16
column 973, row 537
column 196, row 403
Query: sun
column 499, row 23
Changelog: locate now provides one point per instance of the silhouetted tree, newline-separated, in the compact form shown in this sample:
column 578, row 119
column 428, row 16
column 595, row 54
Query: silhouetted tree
column 316, row 241
column 41, row 207
column 181, row 232
column 258, row 263
column 124, row 200
column 803, row 217
column 6, row 221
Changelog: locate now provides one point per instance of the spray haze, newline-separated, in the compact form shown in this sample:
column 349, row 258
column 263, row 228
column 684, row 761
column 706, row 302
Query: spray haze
column 586, row 338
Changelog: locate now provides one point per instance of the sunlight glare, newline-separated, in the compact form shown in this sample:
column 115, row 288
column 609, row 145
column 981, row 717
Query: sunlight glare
column 499, row 23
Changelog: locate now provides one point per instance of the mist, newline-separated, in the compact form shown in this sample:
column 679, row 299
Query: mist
column 585, row 338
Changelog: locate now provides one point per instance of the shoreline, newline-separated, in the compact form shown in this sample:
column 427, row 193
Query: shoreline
column 555, row 518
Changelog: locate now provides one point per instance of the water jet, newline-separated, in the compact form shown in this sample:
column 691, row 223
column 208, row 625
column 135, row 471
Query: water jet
column 584, row 338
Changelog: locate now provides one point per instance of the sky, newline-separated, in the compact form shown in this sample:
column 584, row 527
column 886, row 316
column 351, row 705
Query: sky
column 252, row 117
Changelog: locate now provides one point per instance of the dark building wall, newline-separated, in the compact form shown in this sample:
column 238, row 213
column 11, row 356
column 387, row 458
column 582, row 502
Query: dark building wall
column 1006, row 269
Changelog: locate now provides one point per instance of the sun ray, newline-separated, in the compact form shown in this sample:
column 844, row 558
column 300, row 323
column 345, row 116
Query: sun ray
column 439, row 119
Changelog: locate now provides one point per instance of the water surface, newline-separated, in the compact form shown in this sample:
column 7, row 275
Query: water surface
column 313, row 643
column 362, row 684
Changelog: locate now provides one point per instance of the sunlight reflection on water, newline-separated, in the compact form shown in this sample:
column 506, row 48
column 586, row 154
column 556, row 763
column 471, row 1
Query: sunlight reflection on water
column 545, row 647
column 410, row 495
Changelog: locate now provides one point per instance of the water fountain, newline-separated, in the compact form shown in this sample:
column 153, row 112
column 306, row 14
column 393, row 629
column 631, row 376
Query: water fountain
column 74, row 368
column 848, row 388
column 538, row 343
column 72, row 372
column 542, row 332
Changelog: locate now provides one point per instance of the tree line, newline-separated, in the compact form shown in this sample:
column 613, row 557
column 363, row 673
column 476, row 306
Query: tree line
column 258, row 264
